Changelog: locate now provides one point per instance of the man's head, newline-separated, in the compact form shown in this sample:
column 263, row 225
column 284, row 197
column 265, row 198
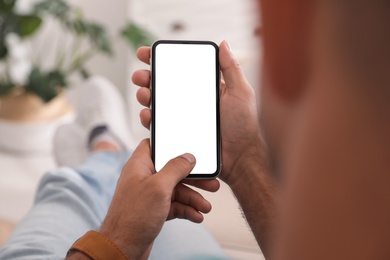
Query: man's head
column 326, row 115
column 340, row 46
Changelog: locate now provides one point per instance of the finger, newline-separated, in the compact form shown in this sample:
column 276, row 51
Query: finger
column 143, row 96
column 207, row 185
column 188, row 196
column 145, row 117
column 140, row 161
column 143, row 54
column 183, row 211
column 230, row 67
column 142, row 150
column 176, row 170
column 141, row 78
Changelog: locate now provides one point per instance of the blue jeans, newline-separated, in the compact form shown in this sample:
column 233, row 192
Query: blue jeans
column 69, row 202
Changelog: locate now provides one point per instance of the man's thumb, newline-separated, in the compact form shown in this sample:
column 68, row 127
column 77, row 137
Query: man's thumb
column 230, row 67
column 177, row 169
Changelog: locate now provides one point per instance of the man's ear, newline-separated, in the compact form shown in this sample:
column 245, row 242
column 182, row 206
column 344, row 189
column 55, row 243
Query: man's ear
column 286, row 29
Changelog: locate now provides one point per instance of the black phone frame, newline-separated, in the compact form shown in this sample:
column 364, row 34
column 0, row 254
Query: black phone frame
column 153, row 104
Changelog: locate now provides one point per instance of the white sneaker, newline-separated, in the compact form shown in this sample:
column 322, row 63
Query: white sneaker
column 100, row 103
column 70, row 145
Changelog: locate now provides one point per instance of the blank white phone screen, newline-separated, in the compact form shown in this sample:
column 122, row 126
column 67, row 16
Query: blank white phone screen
column 186, row 104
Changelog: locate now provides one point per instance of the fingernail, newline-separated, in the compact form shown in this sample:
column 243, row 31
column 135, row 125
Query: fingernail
column 230, row 50
column 228, row 45
column 189, row 157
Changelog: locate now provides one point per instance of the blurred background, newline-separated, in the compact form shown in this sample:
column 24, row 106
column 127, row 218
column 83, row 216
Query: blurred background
column 58, row 44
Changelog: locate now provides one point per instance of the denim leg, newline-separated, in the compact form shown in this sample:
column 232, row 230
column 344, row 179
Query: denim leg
column 69, row 202
column 184, row 240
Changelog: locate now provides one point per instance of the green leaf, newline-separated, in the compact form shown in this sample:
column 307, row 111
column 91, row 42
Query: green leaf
column 57, row 79
column 56, row 8
column 6, row 5
column 39, row 84
column 136, row 36
column 5, row 88
column 73, row 20
column 95, row 33
column 28, row 24
column 84, row 73
column 8, row 24
column 79, row 26
column 23, row 25
column 3, row 49
column 98, row 37
column 46, row 85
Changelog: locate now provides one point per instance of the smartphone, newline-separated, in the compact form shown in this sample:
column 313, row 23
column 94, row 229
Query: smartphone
column 185, row 104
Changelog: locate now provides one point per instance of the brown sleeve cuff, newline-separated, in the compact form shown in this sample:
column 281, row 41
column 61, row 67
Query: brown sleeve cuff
column 97, row 247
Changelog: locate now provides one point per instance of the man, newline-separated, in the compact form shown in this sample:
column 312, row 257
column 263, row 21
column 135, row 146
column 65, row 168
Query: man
column 325, row 116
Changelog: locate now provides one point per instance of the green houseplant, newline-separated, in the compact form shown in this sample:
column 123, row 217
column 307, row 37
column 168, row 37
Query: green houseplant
column 20, row 73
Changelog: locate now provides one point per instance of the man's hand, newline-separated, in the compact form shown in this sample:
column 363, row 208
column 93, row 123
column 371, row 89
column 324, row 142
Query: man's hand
column 144, row 200
column 244, row 154
column 241, row 139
